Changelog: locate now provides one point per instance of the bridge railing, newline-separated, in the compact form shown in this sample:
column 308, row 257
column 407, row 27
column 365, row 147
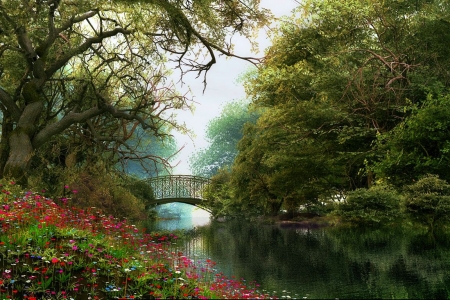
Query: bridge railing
column 179, row 187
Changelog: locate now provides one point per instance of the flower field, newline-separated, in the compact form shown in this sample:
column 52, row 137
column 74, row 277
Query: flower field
column 55, row 251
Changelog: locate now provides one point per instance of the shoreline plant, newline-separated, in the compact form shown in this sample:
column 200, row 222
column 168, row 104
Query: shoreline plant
column 51, row 250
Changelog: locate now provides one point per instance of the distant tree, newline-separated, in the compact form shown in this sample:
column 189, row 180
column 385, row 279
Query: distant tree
column 147, row 155
column 223, row 133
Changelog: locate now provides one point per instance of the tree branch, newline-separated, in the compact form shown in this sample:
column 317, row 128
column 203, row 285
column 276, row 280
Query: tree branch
column 10, row 105
column 83, row 47
column 71, row 118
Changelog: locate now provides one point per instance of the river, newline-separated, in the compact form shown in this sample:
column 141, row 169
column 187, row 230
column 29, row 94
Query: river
column 326, row 262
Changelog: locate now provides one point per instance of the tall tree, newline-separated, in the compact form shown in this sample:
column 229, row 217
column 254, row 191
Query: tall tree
column 94, row 67
column 338, row 75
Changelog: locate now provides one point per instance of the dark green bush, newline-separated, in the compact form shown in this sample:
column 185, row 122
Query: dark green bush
column 377, row 206
column 428, row 201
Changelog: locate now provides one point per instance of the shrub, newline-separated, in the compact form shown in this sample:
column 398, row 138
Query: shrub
column 107, row 193
column 379, row 205
column 428, row 201
column 140, row 189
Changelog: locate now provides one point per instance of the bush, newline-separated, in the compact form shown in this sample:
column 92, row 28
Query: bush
column 108, row 194
column 377, row 206
column 428, row 201
column 141, row 190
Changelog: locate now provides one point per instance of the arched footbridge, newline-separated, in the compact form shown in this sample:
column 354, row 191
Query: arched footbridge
column 180, row 188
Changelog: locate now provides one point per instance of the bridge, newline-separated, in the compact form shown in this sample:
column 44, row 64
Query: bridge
column 180, row 188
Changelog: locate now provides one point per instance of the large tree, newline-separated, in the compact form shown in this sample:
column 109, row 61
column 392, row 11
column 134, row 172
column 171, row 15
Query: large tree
column 339, row 75
column 92, row 68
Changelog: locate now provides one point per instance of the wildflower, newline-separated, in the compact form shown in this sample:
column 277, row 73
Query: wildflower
column 55, row 260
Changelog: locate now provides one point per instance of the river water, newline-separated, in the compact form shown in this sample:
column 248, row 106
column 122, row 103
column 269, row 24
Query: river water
column 325, row 262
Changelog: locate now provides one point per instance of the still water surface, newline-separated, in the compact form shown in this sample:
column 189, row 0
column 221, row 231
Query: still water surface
column 325, row 262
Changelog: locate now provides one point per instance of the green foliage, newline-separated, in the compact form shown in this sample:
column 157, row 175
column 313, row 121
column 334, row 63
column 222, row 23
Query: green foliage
column 428, row 201
column 419, row 145
column 109, row 194
column 340, row 76
column 96, row 186
column 377, row 206
column 219, row 194
column 223, row 134
column 139, row 189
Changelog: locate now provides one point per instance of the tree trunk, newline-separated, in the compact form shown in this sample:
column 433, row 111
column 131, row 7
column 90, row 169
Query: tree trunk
column 4, row 142
column 20, row 155
column 20, row 145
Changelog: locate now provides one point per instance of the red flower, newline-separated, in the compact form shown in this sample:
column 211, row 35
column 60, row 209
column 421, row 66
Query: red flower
column 55, row 260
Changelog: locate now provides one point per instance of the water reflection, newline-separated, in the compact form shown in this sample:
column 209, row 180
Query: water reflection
column 183, row 216
column 321, row 263
column 328, row 263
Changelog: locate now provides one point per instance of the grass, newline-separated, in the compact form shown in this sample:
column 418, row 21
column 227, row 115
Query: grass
column 51, row 250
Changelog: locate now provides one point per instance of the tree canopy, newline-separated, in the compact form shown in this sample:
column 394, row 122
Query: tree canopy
column 86, row 74
column 343, row 93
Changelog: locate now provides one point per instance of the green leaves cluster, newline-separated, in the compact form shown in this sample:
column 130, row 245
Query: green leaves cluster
column 419, row 145
column 379, row 205
column 428, row 201
column 223, row 133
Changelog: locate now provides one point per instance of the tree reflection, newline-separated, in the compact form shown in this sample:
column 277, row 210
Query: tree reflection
column 330, row 262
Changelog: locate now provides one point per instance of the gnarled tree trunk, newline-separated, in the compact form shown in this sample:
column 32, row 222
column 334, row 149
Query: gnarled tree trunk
column 20, row 145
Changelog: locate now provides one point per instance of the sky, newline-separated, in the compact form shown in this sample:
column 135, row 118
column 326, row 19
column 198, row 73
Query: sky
column 222, row 87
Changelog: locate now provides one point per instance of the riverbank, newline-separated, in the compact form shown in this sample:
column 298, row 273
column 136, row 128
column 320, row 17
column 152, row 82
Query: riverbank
column 302, row 220
column 62, row 252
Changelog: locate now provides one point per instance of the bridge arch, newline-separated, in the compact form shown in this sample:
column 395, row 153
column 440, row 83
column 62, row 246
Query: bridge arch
column 187, row 189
